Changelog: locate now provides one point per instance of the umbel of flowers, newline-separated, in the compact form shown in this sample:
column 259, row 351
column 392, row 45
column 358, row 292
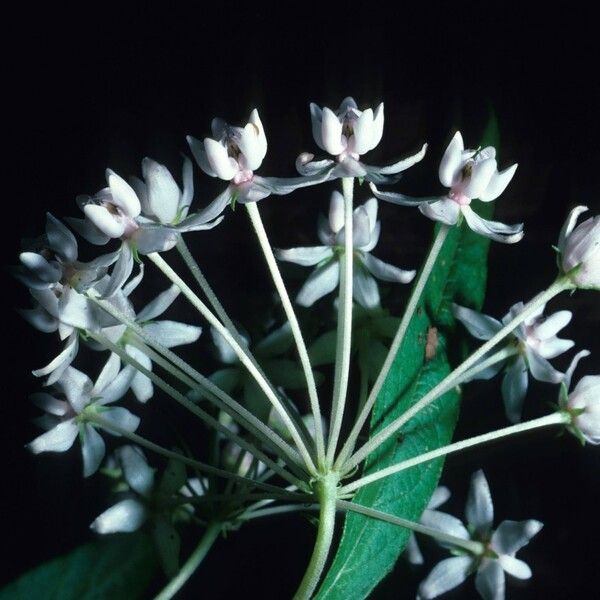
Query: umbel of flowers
column 280, row 438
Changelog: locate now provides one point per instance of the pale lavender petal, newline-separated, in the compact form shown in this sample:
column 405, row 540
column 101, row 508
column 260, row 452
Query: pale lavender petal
column 413, row 551
column 123, row 195
column 481, row 175
column 385, row 271
column 321, row 282
column 480, row 510
column 490, row 581
column 364, row 288
column 222, row 165
column 172, row 333
column 316, row 118
column 77, row 387
column 511, row 536
column 515, row 567
column 553, row 324
column 446, row 575
column 93, row 449
column 363, row 132
column 40, row 318
column 336, row 212
column 569, row 225
column 138, row 474
column 403, row 164
column 497, row 184
column 331, row 132
column 541, row 369
column 452, row 160
column 499, row 232
column 480, row 326
column 514, row 389
column 155, row 238
column 107, row 375
column 57, row 367
column 50, row 404
column 569, row 373
column 60, row 239
column 199, row 153
column 124, row 517
column 163, row 192
column 58, row 439
column 445, row 211
column 121, row 418
column 121, row 271
column 306, row 257
column 439, row 496
column 445, row 522
column 159, row 304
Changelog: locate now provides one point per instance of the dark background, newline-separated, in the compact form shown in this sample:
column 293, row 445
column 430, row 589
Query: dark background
column 106, row 87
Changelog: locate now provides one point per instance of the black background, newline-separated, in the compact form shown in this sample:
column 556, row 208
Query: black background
column 103, row 87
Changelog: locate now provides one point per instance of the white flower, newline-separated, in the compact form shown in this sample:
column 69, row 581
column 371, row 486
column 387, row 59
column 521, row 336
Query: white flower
column 67, row 419
column 241, row 462
column 500, row 547
column 169, row 333
column 579, row 248
column 583, row 403
column 325, row 277
column 150, row 501
column 469, row 174
column 233, row 154
column 439, row 496
column 535, row 341
column 346, row 134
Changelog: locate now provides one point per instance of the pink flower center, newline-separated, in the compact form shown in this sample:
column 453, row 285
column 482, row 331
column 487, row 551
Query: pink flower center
column 243, row 177
column 459, row 198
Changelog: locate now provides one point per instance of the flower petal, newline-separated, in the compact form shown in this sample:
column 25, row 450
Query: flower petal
column 514, row 389
column 363, row 132
column 515, row 567
column 480, row 510
column 107, row 375
column 364, row 288
column 553, row 324
column 125, row 516
column 40, row 318
column 513, row 535
column 199, row 153
column 306, row 257
column 58, row 439
column 401, row 165
column 60, row 239
column 221, row 163
column 141, row 385
column 173, row 333
column 446, row 575
column 104, row 221
column 445, row 211
column 163, row 192
column 480, row 326
column 93, row 449
column 569, row 373
column 445, row 522
column 57, row 367
column 138, row 474
column 322, row 280
column 121, row 418
column 440, row 496
column 336, row 212
column 481, row 174
column 490, row 581
column 498, row 183
column 541, row 369
column 452, row 160
column 50, row 404
column 316, row 118
column 499, row 232
column 331, row 132
column 413, row 551
column 123, row 195
column 159, row 304
column 385, row 271
column 77, row 387
column 569, row 225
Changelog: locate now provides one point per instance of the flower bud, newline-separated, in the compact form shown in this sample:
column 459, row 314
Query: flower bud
column 579, row 248
column 584, row 400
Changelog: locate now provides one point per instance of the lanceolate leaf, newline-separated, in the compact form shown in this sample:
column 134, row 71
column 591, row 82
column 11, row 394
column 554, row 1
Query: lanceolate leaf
column 369, row 548
column 119, row 568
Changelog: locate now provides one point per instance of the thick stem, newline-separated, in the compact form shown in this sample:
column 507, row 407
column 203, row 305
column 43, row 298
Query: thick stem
column 261, row 234
column 413, row 302
column 457, row 375
column 265, row 386
column 327, row 493
column 344, row 329
column 192, row 563
column 181, row 399
column 470, row 545
column 557, row 418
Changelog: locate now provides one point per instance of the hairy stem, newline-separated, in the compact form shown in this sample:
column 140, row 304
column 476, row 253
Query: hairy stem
column 344, row 328
column 261, row 234
column 413, row 302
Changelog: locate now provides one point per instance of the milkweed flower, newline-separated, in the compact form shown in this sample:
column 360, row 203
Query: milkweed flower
column 469, row 175
column 535, row 341
column 579, row 249
column 233, row 154
column 66, row 419
column 499, row 547
column 346, row 134
column 325, row 278
column 582, row 403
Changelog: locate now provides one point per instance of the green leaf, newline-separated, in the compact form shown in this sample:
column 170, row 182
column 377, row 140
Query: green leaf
column 119, row 567
column 369, row 548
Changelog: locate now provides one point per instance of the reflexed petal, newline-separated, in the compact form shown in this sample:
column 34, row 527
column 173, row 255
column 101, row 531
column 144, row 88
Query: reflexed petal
column 364, row 288
column 480, row 510
column 120, row 417
column 225, row 352
column 387, row 272
column 361, row 229
column 375, row 233
column 158, row 305
column 439, row 496
column 123, row 194
column 401, row 165
column 569, row 225
column 40, row 319
column 553, row 324
column 215, row 208
column 498, row 184
column 58, row 439
column 480, row 326
column 138, row 474
column 107, row 375
column 541, row 369
column 280, row 186
column 336, row 212
column 481, row 175
column 445, row 211
column 253, row 191
column 445, row 522
column 401, row 199
column 321, row 281
column 223, row 165
column 121, row 271
column 93, row 450
column 155, row 238
column 554, row 347
column 363, row 132
column 49, row 404
column 515, row 567
column 60, row 239
column 413, row 551
column 331, row 131
column 569, row 373
column 141, row 385
column 87, row 230
column 125, row 516
column 514, row 389
column 490, row 581
column 316, row 118
column 117, row 388
column 307, row 166
column 199, row 153
column 133, row 283
column 445, row 575
column 57, row 366
column 452, row 160
column 163, row 192
column 172, row 333
column 499, row 232
column 371, row 207
column 306, row 257
column 76, row 310
column 77, row 387
column 513, row 535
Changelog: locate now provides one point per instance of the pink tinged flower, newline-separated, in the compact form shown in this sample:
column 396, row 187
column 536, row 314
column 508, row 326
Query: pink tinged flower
column 579, row 247
column 66, row 419
column 500, row 547
column 325, row 278
column 535, row 340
